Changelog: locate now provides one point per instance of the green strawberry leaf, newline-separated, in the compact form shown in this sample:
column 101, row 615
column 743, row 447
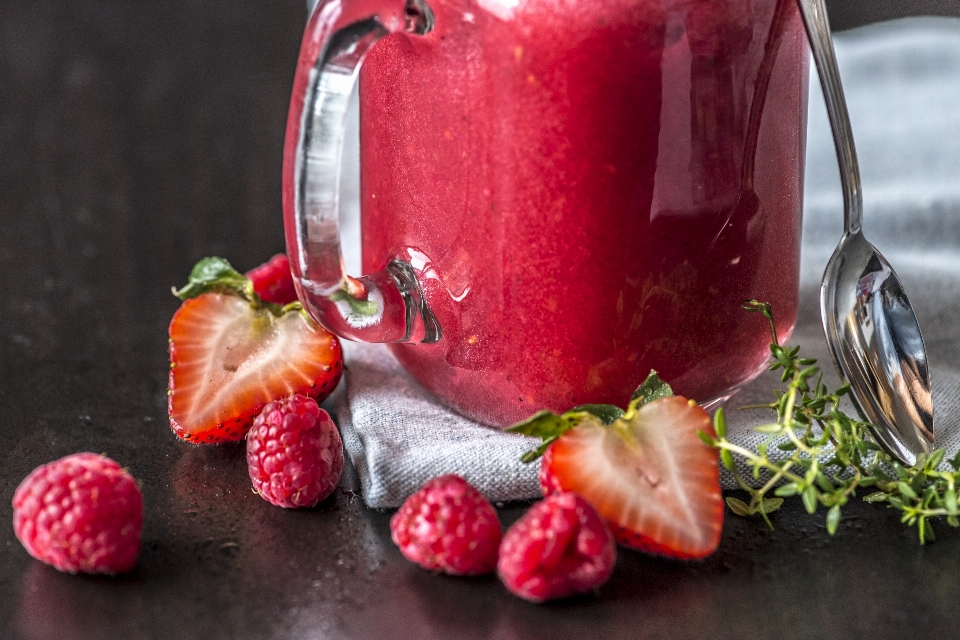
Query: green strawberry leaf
column 653, row 388
column 547, row 426
column 543, row 424
column 536, row 454
column 606, row 412
column 215, row 275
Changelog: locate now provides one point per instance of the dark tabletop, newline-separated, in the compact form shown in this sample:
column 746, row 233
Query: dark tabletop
column 137, row 137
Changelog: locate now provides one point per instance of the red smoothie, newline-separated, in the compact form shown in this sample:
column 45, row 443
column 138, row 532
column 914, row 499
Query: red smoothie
column 588, row 190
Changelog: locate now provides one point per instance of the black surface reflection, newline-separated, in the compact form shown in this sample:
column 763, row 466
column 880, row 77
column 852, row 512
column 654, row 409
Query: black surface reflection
column 55, row 605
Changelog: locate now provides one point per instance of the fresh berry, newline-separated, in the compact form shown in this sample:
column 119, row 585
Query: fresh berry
column 273, row 281
column 648, row 474
column 294, row 453
column 82, row 513
column 231, row 354
column 448, row 526
column 560, row 547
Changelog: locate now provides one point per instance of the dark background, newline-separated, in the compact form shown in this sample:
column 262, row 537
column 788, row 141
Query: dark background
column 137, row 137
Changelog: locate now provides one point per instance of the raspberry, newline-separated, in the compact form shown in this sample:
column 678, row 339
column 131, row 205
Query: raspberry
column 560, row 547
column 294, row 453
column 82, row 513
column 272, row 280
column 448, row 526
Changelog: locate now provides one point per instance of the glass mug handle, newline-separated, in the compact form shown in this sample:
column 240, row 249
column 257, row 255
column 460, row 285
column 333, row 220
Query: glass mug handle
column 387, row 306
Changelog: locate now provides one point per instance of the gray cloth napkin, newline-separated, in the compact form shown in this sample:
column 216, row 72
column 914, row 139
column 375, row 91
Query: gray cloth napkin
column 902, row 82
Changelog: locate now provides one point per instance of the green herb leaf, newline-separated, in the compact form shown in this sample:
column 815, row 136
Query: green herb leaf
column 833, row 519
column 769, row 505
column 739, row 507
column 720, row 423
column 955, row 461
column 950, row 501
column 786, row 490
column 925, row 531
column 810, row 499
column 769, row 428
column 906, row 491
column 727, row 459
column 824, row 483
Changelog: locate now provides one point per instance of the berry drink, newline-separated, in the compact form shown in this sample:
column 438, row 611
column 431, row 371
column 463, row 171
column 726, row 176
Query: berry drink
column 588, row 190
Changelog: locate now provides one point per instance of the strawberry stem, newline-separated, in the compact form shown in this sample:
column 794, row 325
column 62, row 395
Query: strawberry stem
column 215, row 275
column 357, row 306
column 549, row 426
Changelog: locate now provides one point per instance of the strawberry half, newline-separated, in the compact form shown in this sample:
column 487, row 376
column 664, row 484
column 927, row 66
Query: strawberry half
column 647, row 472
column 231, row 354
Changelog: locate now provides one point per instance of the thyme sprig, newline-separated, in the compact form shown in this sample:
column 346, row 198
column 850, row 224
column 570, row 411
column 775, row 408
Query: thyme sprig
column 828, row 455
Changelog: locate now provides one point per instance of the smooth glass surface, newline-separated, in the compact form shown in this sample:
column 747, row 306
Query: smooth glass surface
column 588, row 191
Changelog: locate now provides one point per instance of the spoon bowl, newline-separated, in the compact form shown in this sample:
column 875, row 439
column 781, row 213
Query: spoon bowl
column 868, row 322
column 876, row 344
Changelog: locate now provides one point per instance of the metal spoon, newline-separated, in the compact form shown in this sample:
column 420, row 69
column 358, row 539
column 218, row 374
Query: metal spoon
column 870, row 326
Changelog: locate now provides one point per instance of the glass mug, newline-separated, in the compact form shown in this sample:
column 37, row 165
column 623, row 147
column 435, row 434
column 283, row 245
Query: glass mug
column 557, row 196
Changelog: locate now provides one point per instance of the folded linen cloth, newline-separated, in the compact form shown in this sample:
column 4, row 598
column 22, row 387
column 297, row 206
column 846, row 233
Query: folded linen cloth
column 902, row 81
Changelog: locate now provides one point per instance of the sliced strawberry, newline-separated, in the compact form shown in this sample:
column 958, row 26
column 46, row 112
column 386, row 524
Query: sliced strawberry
column 648, row 474
column 231, row 354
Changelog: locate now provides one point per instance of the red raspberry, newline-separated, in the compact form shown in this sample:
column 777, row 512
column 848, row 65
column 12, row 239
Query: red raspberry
column 560, row 547
column 448, row 526
column 294, row 453
column 273, row 281
column 82, row 513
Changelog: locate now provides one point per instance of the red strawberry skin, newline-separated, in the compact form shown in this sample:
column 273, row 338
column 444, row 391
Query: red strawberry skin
column 228, row 360
column 273, row 281
column 658, row 488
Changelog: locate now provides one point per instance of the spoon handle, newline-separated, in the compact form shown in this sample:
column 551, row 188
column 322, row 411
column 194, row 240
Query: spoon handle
column 818, row 31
